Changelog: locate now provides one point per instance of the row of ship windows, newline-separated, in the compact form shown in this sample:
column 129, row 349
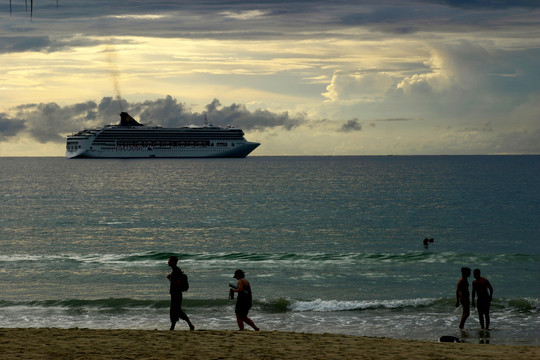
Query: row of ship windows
column 188, row 132
column 130, row 146
column 164, row 139
column 165, row 143
column 238, row 134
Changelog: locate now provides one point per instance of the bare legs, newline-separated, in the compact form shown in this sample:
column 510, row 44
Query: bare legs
column 240, row 319
column 466, row 313
column 177, row 313
column 481, row 316
column 186, row 319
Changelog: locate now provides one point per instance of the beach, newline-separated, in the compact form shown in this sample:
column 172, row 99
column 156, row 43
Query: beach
column 54, row 343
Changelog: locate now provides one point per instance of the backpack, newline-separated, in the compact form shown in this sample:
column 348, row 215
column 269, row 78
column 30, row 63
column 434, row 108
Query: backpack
column 184, row 284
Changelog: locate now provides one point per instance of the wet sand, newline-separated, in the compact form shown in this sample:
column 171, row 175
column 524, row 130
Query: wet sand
column 47, row 343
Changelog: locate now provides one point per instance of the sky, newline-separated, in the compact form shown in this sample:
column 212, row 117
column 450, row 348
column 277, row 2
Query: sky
column 303, row 77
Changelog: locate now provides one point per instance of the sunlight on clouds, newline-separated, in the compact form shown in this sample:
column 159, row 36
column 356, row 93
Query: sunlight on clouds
column 244, row 15
column 322, row 79
column 171, row 57
column 437, row 79
column 139, row 17
column 358, row 87
column 157, row 65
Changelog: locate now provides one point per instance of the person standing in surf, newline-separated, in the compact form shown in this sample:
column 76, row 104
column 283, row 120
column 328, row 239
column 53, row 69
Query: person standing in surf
column 462, row 295
column 243, row 301
column 175, row 277
column 481, row 286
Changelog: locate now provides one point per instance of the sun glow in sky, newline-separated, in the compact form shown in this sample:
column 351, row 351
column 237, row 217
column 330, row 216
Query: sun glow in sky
column 302, row 77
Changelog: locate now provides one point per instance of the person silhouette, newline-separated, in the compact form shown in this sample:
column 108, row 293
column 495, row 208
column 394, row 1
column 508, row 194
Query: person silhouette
column 482, row 287
column 243, row 301
column 175, row 277
column 462, row 295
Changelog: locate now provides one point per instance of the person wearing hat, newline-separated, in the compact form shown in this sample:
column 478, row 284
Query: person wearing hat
column 243, row 301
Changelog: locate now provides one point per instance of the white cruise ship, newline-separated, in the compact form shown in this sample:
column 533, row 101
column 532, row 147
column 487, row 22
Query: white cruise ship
column 129, row 139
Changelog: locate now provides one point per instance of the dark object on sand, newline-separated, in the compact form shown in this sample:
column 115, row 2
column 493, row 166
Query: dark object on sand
column 448, row 338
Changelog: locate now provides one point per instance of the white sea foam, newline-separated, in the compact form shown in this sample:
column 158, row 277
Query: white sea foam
column 336, row 305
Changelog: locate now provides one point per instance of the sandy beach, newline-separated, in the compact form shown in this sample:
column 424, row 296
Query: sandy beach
column 47, row 343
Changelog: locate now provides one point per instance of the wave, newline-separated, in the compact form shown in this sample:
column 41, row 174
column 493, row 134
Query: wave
column 278, row 305
column 530, row 305
column 335, row 305
column 158, row 258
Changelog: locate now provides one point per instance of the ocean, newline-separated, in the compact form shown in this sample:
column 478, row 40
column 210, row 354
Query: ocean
column 329, row 244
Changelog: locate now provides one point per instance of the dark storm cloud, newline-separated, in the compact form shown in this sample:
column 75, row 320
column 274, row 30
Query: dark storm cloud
column 50, row 122
column 239, row 115
column 168, row 112
column 46, row 122
column 12, row 44
column 440, row 16
column 258, row 19
column 490, row 4
column 10, row 127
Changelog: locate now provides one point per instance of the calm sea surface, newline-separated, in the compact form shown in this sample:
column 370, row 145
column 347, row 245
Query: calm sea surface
column 329, row 244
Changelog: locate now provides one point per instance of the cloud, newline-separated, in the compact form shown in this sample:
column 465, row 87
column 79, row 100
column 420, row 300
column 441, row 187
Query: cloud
column 50, row 122
column 490, row 4
column 10, row 127
column 244, row 15
column 259, row 119
column 16, row 44
column 441, row 16
column 351, row 125
column 468, row 79
column 284, row 19
column 11, row 44
column 358, row 87
column 47, row 122
column 168, row 112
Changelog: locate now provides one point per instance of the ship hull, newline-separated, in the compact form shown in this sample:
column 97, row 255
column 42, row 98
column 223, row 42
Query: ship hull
column 240, row 151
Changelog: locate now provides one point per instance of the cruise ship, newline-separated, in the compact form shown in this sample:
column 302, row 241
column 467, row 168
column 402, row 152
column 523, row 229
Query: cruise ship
column 130, row 139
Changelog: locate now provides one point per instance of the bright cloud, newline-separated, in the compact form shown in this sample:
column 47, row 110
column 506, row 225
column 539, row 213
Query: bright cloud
column 364, row 87
column 244, row 15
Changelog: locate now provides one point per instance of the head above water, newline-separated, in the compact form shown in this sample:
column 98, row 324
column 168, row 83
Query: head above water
column 239, row 274
column 465, row 271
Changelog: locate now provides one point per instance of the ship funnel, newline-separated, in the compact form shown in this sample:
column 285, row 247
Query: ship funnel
column 127, row 120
